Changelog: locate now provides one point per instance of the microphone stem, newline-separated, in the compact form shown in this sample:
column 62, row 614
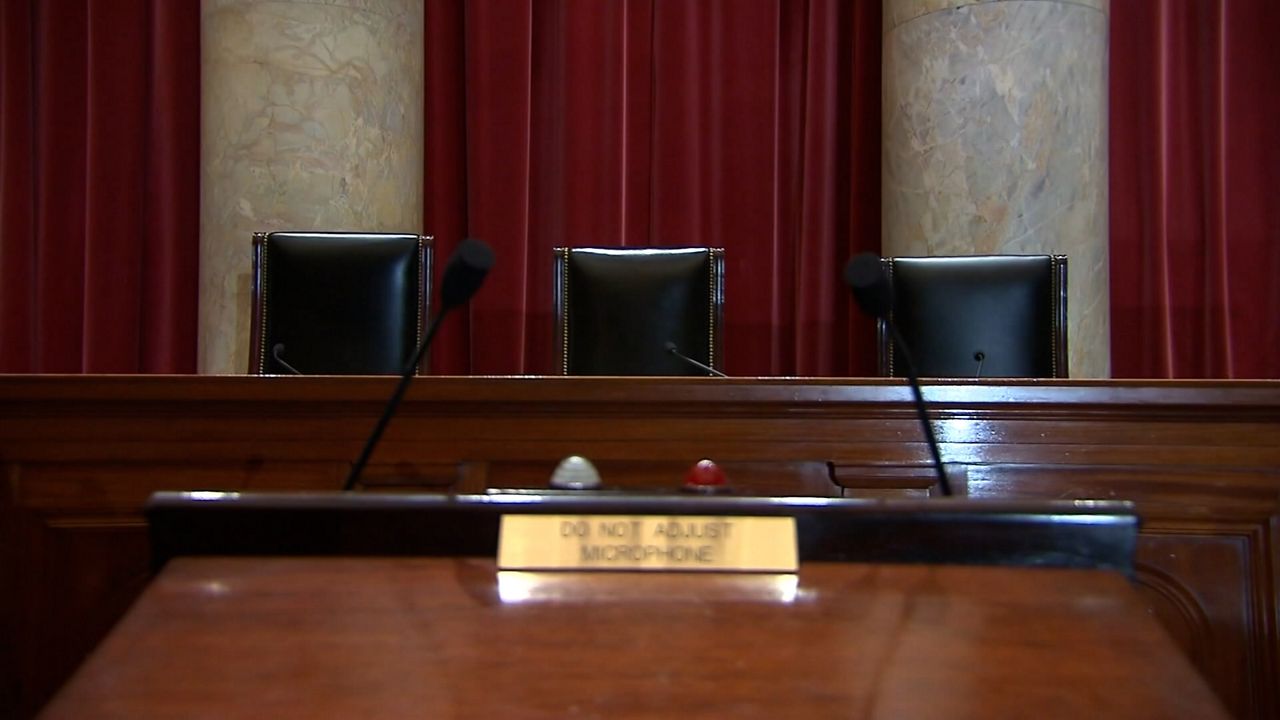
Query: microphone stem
column 700, row 365
column 674, row 350
column 405, row 378
column 921, row 410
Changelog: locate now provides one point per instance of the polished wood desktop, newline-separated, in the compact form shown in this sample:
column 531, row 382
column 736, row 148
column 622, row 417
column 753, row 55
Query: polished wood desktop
column 454, row 638
column 1201, row 460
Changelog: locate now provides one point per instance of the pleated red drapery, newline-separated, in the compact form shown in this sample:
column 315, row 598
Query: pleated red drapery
column 747, row 124
column 755, row 126
column 1195, row 169
column 752, row 126
column 99, row 185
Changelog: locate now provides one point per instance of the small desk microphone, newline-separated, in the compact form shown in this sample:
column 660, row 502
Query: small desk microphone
column 463, row 275
column 873, row 290
column 277, row 351
column 671, row 348
column 978, row 357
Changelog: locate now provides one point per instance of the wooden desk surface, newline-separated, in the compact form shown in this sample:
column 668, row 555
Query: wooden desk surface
column 79, row 456
column 449, row 638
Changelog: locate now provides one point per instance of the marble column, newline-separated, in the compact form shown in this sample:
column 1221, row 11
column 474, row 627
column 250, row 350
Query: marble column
column 312, row 119
column 995, row 141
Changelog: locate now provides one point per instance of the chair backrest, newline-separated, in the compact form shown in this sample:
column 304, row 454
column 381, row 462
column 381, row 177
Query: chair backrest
column 617, row 309
column 338, row 303
column 979, row 316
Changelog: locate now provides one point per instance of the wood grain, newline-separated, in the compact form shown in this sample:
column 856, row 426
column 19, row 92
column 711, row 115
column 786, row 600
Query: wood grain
column 1201, row 459
column 445, row 638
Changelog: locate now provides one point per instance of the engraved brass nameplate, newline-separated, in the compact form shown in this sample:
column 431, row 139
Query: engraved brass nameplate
column 647, row 542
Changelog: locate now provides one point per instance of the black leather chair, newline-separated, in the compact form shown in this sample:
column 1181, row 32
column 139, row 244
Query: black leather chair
column 979, row 316
column 617, row 309
column 338, row 303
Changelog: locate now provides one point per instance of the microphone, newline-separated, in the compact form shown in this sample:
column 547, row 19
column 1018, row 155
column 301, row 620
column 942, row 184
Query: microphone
column 671, row 348
column 871, row 288
column 277, row 351
column 463, row 275
column 978, row 357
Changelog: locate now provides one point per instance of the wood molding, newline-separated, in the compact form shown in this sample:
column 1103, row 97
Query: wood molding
column 1201, row 460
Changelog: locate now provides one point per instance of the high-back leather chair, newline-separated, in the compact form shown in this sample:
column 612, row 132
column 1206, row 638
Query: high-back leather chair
column 338, row 303
column 979, row 316
column 617, row 309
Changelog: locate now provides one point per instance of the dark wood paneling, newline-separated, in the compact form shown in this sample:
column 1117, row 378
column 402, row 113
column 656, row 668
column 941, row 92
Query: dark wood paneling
column 1200, row 459
column 12, row 694
column 1199, row 583
column 80, row 576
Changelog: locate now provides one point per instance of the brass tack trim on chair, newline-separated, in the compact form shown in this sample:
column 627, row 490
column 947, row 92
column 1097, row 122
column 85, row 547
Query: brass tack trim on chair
column 1056, row 289
column 422, row 288
column 262, row 305
column 1052, row 319
column 711, row 308
column 884, row 325
column 564, row 312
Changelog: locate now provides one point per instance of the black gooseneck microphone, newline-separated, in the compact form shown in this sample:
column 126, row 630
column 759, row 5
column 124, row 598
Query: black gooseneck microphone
column 463, row 276
column 871, row 288
column 277, row 351
column 671, row 348
column 979, row 357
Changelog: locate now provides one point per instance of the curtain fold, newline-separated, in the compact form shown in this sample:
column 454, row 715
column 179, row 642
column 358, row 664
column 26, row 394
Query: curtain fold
column 99, row 176
column 719, row 123
column 17, row 195
column 444, row 185
column 749, row 124
column 171, row 231
column 1195, row 229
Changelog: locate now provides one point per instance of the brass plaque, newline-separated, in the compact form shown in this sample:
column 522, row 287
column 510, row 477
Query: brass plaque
column 647, row 542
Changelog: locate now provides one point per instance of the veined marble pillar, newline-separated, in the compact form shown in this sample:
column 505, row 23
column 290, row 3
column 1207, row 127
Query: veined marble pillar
column 312, row 120
column 995, row 141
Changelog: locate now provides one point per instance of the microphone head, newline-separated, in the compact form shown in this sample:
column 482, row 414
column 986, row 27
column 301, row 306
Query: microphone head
column 671, row 347
column 277, row 349
column 866, row 276
column 465, row 272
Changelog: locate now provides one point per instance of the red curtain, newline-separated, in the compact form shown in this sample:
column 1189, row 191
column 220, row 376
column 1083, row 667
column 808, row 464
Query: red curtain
column 747, row 125
column 755, row 126
column 99, row 185
column 1195, row 167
